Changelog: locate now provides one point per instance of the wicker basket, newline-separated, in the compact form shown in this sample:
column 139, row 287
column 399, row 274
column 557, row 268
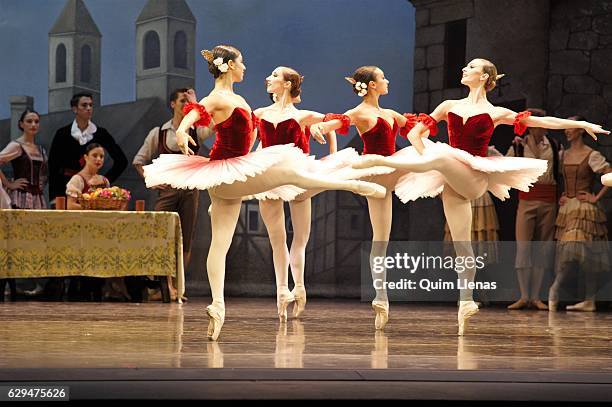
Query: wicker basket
column 102, row 203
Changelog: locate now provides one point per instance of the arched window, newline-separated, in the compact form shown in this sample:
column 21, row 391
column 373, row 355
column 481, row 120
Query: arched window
column 151, row 50
column 180, row 50
column 454, row 52
column 60, row 63
column 86, row 64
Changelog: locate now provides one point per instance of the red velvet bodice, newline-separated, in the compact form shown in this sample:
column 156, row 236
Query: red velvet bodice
column 233, row 135
column 472, row 136
column 380, row 139
column 285, row 132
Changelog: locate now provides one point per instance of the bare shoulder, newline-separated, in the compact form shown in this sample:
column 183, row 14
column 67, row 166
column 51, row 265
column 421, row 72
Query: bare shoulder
column 360, row 116
column 355, row 112
column 357, row 115
column 212, row 101
column 441, row 111
column 446, row 105
column 260, row 111
column 243, row 100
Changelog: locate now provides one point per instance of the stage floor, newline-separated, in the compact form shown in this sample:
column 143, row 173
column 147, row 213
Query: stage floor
column 333, row 351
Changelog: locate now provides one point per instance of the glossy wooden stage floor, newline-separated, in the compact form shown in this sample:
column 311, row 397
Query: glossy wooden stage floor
column 334, row 342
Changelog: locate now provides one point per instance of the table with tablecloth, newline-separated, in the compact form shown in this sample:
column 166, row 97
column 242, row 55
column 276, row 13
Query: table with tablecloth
column 56, row 243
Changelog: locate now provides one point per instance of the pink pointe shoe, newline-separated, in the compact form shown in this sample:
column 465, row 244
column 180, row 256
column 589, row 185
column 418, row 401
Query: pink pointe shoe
column 467, row 309
column 381, row 308
column 299, row 293
column 283, row 299
column 216, row 315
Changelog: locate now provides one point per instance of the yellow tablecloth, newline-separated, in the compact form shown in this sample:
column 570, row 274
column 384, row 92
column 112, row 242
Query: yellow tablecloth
column 52, row 243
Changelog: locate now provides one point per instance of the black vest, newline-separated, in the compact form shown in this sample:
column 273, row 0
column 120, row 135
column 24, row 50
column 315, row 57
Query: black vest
column 163, row 148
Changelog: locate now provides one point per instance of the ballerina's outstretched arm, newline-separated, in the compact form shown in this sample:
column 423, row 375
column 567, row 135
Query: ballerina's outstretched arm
column 523, row 120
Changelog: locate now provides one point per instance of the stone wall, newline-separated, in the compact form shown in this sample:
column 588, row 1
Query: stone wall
column 512, row 34
column 431, row 16
column 580, row 68
column 580, row 74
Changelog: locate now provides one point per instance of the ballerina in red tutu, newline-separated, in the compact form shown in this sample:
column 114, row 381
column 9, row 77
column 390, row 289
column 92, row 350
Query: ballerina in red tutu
column 232, row 172
column 378, row 128
column 282, row 123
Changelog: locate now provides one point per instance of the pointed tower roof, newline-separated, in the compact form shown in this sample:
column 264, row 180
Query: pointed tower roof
column 75, row 18
column 166, row 8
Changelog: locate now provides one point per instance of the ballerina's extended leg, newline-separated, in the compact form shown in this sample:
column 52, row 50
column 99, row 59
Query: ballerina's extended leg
column 283, row 174
column 467, row 182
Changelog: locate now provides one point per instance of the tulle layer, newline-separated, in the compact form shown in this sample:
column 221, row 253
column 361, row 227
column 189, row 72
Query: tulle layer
column 503, row 172
column 197, row 172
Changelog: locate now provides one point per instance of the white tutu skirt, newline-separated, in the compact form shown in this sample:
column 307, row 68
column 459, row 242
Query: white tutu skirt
column 503, row 172
column 197, row 172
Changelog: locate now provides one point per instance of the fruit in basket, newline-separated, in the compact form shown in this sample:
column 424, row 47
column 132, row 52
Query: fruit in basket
column 112, row 198
column 109, row 193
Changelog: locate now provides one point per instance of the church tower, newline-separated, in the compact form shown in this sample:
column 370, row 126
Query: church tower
column 165, row 43
column 74, row 56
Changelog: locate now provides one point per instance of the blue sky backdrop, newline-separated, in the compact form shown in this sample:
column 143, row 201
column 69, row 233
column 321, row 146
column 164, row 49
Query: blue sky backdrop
column 323, row 39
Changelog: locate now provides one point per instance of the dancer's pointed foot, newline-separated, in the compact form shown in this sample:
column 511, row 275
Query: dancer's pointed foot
column 216, row 315
column 539, row 305
column 381, row 308
column 283, row 299
column 584, row 306
column 369, row 189
column 607, row 179
column 299, row 293
column 367, row 161
column 467, row 309
column 520, row 304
